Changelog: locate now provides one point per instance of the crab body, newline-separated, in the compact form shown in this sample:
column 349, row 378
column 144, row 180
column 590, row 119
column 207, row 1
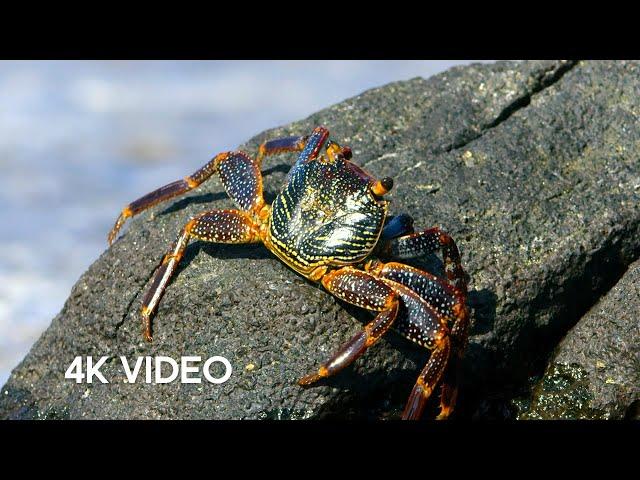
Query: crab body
column 326, row 214
column 329, row 223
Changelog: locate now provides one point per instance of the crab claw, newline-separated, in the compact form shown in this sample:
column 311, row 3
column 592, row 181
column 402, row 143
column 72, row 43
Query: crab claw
column 398, row 225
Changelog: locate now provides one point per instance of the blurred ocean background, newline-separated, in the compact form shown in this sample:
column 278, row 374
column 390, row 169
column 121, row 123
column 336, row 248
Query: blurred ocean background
column 81, row 139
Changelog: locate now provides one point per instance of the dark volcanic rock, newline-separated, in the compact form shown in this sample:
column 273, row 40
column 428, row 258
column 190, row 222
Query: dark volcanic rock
column 595, row 372
column 533, row 168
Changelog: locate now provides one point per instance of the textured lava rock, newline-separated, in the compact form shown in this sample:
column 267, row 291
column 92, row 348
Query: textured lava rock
column 532, row 167
column 595, row 372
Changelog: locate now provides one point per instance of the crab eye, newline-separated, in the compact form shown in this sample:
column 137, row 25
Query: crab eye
column 387, row 183
column 347, row 153
column 381, row 187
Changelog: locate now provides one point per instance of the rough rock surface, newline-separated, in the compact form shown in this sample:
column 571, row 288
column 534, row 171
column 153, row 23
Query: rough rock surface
column 595, row 372
column 532, row 167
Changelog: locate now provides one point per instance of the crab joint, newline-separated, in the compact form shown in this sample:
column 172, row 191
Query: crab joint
column 333, row 151
column 458, row 310
column 382, row 187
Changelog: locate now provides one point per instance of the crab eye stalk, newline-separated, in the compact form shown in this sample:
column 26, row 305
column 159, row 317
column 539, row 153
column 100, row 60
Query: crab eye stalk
column 347, row 153
column 382, row 187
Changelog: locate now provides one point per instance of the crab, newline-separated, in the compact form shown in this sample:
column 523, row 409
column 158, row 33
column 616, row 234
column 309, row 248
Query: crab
column 329, row 223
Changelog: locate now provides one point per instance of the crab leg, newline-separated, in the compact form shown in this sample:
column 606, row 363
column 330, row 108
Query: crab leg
column 427, row 380
column 238, row 172
column 428, row 241
column 280, row 145
column 426, row 325
column 443, row 297
column 313, row 144
column 397, row 226
column 446, row 300
column 459, row 335
column 220, row 226
column 361, row 289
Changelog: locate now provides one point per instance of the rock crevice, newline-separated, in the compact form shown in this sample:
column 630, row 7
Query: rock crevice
column 545, row 79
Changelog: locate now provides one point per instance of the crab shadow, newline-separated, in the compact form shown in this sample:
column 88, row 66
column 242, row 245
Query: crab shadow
column 193, row 200
column 254, row 251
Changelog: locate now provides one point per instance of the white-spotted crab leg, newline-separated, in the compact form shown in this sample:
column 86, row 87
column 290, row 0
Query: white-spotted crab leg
column 219, row 226
column 362, row 289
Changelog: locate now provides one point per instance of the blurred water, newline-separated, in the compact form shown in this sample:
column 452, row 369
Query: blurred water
column 79, row 140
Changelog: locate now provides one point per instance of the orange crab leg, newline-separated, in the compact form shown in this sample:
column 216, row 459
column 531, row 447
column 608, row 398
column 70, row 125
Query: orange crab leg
column 427, row 325
column 459, row 336
column 361, row 289
column 220, row 226
column 445, row 300
column 428, row 379
column 280, row 145
column 238, row 173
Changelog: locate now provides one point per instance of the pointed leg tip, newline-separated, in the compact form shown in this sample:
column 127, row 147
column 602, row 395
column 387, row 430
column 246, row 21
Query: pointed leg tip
column 444, row 414
column 146, row 324
column 407, row 416
column 126, row 213
column 146, row 334
column 313, row 378
column 416, row 403
column 411, row 413
column 308, row 380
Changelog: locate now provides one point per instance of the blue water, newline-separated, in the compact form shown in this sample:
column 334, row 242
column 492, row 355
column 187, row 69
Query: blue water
column 79, row 140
